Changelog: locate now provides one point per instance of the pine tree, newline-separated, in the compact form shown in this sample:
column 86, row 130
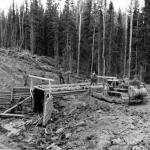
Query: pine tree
column 26, row 44
column 86, row 35
column 104, row 36
column 130, row 41
column 110, row 34
column 37, row 27
column 146, row 37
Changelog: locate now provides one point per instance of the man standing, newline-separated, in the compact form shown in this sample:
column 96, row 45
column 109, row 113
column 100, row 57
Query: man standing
column 93, row 79
column 25, row 77
column 61, row 78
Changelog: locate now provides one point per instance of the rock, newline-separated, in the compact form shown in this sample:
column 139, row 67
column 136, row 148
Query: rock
column 59, row 130
column 53, row 147
column 118, row 141
column 80, row 129
column 103, row 141
column 48, row 129
column 99, row 111
column 54, row 138
column 81, row 123
column 68, row 135
column 138, row 148
column 134, row 138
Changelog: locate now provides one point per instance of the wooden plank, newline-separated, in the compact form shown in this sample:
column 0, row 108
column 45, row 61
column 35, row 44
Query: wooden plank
column 16, row 105
column 36, row 77
column 12, row 86
column 11, row 115
column 57, row 94
column 48, row 108
column 5, row 93
column 107, row 77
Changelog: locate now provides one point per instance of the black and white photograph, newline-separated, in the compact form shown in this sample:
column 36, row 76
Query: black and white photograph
column 74, row 74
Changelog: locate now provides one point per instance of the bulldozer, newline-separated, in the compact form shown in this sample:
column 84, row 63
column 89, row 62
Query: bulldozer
column 122, row 91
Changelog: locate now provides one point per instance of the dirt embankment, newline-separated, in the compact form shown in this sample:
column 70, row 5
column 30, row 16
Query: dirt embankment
column 13, row 64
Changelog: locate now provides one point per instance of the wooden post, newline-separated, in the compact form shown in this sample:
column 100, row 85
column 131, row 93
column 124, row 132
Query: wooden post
column 48, row 108
column 130, row 42
column 12, row 87
column 31, row 92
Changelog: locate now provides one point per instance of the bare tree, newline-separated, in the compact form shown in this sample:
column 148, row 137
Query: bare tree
column 125, row 45
column 21, row 23
column 137, row 30
column 104, row 31
column 99, row 35
column 79, row 35
column 93, row 48
column 130, row 42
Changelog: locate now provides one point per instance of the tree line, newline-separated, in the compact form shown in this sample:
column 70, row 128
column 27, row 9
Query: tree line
column 82, row 37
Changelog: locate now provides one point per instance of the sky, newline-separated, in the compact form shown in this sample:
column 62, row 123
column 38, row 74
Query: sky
column 122, row 4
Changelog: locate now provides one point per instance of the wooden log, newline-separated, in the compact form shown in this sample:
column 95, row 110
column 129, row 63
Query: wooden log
column 102, row 97
column 40, row 78
column 11, row 115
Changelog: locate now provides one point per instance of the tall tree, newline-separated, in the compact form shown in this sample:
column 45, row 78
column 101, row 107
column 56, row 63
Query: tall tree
column 125, row 44
column 110, row 30
column 146, row 37
column 130, row 42
column 86, row 35
column 104, row 32
column 37, row 27
column 100, row 20
column 79, row 35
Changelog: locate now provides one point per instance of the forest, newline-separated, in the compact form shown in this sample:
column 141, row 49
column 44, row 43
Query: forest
column 83, row 37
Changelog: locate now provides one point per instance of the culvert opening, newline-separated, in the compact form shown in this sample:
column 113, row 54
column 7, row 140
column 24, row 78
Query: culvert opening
column 38, row 96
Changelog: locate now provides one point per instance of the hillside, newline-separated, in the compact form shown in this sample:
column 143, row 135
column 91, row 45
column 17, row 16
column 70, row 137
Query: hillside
column 13, row 64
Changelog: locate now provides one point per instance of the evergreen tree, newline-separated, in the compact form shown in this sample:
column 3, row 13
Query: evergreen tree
column 146, row 40
column 110, row 36
column 86, row 35
column 37, row 27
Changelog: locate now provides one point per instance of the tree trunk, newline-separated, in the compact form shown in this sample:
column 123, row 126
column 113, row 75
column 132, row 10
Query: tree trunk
column 21, row 31
column 130, row 42
column 125, row 46
column 79, row 42
column 109, row 52
column 32, row 41
column 99, row 47
column 70, row 55
column 56, row 49
column 93, row 49
column 136, row 65
column 104, row 30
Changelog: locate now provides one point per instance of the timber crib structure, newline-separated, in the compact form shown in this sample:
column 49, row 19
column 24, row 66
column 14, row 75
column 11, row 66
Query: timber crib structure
column 39, row 97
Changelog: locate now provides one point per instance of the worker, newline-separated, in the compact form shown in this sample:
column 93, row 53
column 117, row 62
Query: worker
column 43, row 74
column 61, row 78
column 93, row 79
column 25, row 77
column 68, row 76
